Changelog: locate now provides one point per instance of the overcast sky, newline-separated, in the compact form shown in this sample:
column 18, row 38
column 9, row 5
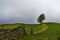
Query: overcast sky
column 27, row 11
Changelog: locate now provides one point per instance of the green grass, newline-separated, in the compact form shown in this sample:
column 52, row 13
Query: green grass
column 51, row 32
column 9, row 26
column 53, row 27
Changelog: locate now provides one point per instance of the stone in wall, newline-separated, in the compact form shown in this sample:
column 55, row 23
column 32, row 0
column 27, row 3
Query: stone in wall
column 12, row 34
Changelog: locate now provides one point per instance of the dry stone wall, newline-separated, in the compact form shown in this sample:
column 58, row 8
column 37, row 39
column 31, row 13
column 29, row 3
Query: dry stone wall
column 12, row 34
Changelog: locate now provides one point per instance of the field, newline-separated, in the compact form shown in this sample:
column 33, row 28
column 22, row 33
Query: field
column 52, row 32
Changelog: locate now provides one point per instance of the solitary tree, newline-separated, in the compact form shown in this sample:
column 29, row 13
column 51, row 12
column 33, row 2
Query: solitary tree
column 41, row 18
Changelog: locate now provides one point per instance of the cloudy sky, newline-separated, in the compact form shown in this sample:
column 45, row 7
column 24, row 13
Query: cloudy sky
column 27, row 11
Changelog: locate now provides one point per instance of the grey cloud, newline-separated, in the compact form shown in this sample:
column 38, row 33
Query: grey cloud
column 27, row 11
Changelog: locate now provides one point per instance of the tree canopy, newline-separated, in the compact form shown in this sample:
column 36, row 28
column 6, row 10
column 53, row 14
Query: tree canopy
column 41, row 18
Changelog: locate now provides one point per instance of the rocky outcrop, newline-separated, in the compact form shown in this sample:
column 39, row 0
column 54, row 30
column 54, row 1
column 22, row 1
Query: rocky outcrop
column 12, row 34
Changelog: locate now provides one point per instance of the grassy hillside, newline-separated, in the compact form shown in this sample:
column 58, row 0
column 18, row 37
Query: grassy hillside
column 9, row 26
column 53, row 30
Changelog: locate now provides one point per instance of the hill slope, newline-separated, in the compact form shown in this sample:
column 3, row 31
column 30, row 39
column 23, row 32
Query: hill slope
column 53, row 30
